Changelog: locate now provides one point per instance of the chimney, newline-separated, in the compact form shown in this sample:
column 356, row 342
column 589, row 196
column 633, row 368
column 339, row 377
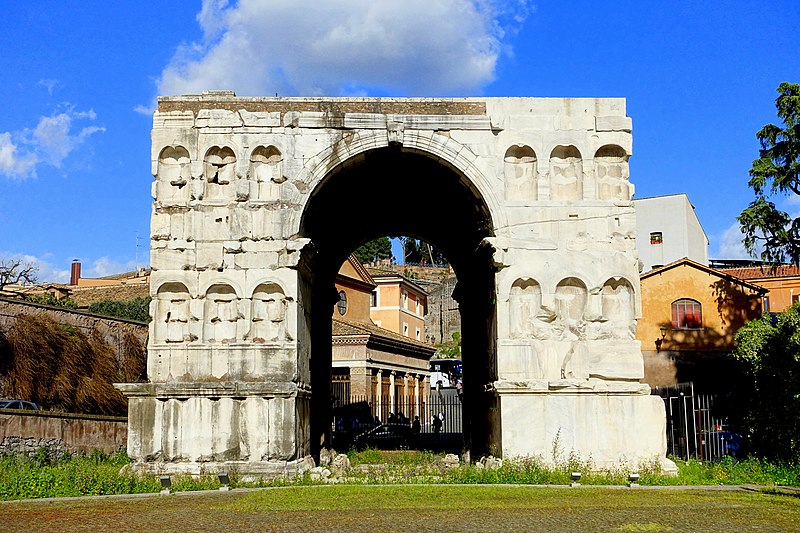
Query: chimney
column 75, row 275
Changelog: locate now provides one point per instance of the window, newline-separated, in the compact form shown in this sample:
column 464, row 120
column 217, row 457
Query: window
column 417, row 298
column 795, row 298
column 341, row 305
column 405, row 299
column 686, row 314
column 419, row 333
column 405, row 329
column 373, row 298
column 765, row 301
column 656, row 237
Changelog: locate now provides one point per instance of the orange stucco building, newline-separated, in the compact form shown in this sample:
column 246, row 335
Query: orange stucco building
column 398, row 304
column 782, row 282
column 690, row 316
column 370, row 361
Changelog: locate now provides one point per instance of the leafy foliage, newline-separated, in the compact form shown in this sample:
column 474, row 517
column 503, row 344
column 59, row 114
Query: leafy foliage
column 51, row 300
column 380, row 248
column 769, row 394
column 417, row 251
column 776, row 171
column 136, row 309
column 450, row 349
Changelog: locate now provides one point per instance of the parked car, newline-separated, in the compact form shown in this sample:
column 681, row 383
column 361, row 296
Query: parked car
column 18, row 404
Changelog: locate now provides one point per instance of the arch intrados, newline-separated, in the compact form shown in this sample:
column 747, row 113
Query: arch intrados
column 462, row 221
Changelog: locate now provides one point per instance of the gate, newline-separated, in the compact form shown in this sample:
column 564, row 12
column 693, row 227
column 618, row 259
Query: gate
column 693, row 432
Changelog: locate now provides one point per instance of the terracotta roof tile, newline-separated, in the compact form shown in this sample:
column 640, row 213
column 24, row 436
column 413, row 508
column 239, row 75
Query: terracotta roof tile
column 759, row 272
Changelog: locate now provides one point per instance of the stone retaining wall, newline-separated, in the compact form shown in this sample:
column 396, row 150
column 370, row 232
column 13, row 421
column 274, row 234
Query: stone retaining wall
column 27, row 432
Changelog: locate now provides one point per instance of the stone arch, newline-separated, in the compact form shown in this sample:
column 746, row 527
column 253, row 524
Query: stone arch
column 172, row 314
column 174, row 174
column 612, row 174
column 353, row 148
column 520, row 173
column 219, row 171
column 221, row 314
column 266, row 172
column 268, row 317
column 566, row 174
column 524, row 301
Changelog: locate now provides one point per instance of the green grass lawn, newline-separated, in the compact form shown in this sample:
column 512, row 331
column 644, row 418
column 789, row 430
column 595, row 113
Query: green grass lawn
column 410, row 507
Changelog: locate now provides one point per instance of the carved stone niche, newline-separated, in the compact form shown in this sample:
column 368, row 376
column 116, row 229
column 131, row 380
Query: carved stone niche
column 268, row 317
column 266, row 171
column 174, row 174
column 566, row 174
column 612, row 174
column 520, row 173
column 618, row 308
column 221, row 314
column 525, row 302
column 571, row 297
column 219, row 170
column 171, row 321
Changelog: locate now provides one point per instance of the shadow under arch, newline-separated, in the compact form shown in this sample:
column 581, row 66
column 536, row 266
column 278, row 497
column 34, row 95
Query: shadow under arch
column 400, row 191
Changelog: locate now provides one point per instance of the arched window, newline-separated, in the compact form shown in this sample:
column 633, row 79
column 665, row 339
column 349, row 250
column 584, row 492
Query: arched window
column 687, row 314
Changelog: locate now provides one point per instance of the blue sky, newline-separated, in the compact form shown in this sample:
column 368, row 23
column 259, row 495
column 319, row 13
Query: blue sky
column 80, row 79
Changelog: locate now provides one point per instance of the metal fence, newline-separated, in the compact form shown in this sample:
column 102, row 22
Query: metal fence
column 693, row 432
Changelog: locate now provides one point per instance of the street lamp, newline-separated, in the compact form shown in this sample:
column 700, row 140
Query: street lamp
column 660, row 341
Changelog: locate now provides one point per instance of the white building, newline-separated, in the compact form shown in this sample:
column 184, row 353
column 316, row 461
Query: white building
column 667, row 229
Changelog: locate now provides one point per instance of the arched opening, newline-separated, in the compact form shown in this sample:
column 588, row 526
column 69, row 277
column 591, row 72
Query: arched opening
column 396, row 191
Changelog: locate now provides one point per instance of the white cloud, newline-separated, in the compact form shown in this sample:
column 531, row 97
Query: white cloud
column 730, row 244
column 106, row 267
column 49, row 84
column 46, row 272
column 11, row 162
column 50, row 142
column 345, row 47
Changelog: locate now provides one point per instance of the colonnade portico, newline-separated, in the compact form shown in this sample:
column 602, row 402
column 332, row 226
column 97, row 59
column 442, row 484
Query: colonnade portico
column 258, row 201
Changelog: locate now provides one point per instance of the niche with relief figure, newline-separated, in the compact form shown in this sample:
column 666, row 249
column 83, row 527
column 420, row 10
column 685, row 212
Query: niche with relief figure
column 525, row 301
column 269, row 314
column 174, row 174
column 566, row 174
column 221, row 314
column 219, row 170
column 612, row 174
column 571, row 298
column 519, row 172
column 171, row 324
column 618, row 308
column 266, row 171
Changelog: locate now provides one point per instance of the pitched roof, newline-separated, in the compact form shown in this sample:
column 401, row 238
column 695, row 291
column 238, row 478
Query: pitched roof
column 343, row 328
column 763, row 272
column 693, row 264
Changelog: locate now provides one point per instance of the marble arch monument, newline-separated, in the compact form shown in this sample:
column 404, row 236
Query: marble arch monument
column 259, row 200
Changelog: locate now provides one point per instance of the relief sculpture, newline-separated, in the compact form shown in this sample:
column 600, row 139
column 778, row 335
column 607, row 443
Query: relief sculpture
column 519, row 171
column 611, row 171
column 269, row 314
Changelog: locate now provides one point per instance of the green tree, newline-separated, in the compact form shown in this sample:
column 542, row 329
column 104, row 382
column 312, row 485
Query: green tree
column 767, row 401
column 449, row 349
column 380, row 248
column 136, row 309
column 776, row 171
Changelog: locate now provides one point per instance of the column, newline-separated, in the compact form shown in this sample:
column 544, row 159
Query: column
column 391, row 392
column 416, row 396
column 379, row 395
column 404, row 404
column 360, row 384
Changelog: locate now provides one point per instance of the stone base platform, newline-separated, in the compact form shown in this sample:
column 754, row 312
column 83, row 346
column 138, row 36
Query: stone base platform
column 610, row 425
